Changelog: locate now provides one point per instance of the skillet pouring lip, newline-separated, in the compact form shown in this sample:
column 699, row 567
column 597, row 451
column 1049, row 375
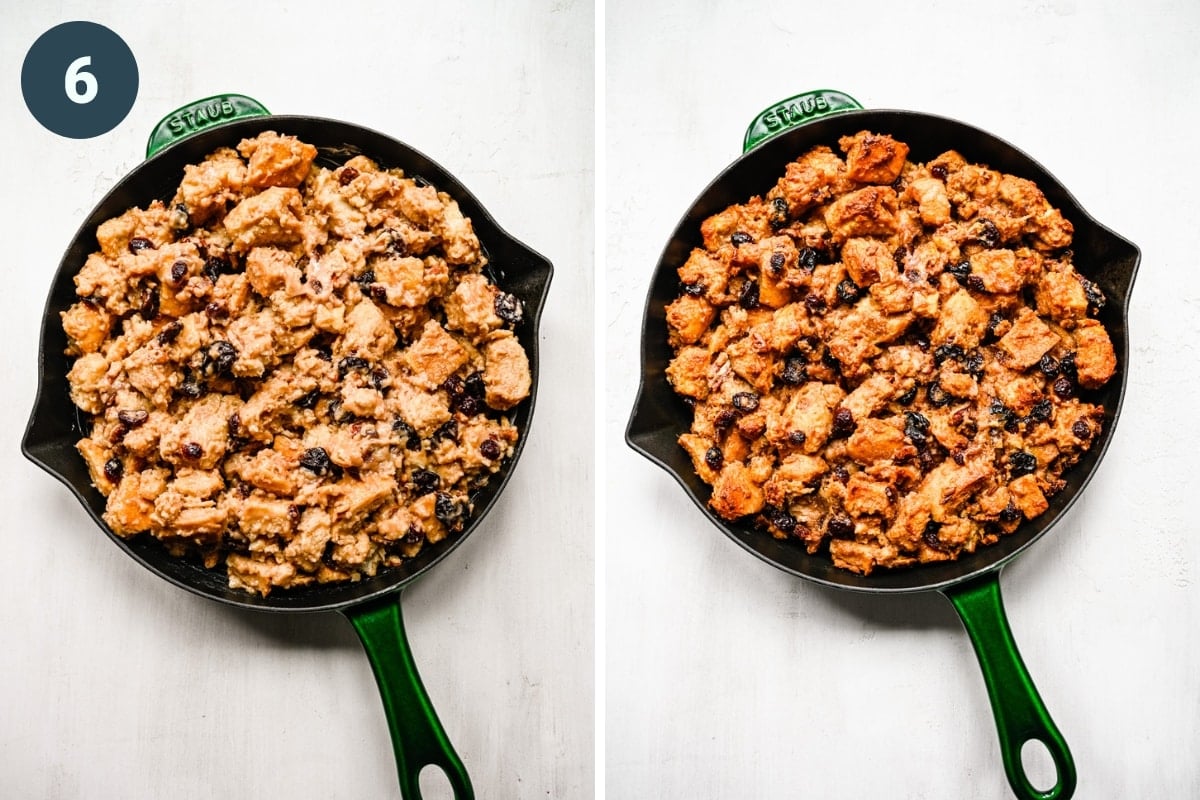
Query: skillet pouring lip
column 659, row 416
column 54, row 423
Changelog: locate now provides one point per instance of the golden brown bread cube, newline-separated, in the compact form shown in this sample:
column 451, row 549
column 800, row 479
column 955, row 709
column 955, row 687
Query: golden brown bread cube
column 1095, row 359
column 866, row 212
column 873, row 158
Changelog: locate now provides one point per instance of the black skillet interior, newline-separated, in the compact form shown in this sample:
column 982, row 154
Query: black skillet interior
column 54, row 425
column 659, row 415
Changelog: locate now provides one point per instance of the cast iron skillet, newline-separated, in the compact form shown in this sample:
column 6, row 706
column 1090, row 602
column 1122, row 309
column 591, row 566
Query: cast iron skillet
column 372, row 605
column 777, row 136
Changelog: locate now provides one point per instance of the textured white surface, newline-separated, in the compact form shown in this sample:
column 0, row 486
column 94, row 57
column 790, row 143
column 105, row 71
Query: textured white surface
column 729, row 679
column 115, row 684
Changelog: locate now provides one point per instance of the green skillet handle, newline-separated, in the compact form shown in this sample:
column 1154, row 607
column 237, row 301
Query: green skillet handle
column 417, row 736
column 1020, row 714
column 796, row 111
column 195, row 117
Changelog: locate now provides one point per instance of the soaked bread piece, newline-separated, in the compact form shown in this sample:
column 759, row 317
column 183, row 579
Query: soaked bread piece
column 297, row 372
column 888, row 361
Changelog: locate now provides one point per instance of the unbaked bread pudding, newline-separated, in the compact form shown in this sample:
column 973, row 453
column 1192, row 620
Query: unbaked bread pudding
column 297, row 372
column 885, row 359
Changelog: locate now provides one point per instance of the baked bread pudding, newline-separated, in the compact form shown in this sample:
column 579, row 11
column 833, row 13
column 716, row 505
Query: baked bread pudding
column 887, row 361
column 298, row 372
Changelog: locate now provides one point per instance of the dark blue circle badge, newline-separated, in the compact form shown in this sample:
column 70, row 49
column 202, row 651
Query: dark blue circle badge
column 79, row 79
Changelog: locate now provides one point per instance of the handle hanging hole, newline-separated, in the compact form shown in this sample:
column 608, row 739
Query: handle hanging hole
column 1038, row 765
column 434, row 783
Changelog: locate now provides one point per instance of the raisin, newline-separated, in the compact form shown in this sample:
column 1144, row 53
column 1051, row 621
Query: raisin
column 365, row 278
column 379, row 376
column 938, row 171
column 309, row 400
column 693, row 289
column 1095, row 297
column 467, row 405
column 900, row 255
column 916, row 428
column 178, row 271
column 746, row 402
column 378, row 293
column 215, row 267
column 830, row 360
column 411, row 440
column 840, row 526
column 508, row 308
column 1081, row 429
column 725, row 420
column 807, row 259
column 960, row 271
column 975, row 283
column 748, row 297
column 474, row 386
column 1067, row 367
column 1064, row 388
column 316, row 461
column 907, row 398
column 814, row 303
column 346, row 175
column 974, row 365
column 453, row 386
column 947, row 351
column 798, row 438
column 740, row 238
column 775, row 265
column 843, row 422
column 841, row 474
column 448, row 430
column 149, row 309
column 1021, row 463
column 793, row 371
column 216, row 311
column 170, row 333
column 219, row 358
column 989, row 333
column 989, row 235
column 181, row 220
column 414, row 535
column 490, row 449
column 234, row 425
column 113, row 470
column 848, row 291
column 350, row 363
column 1010, row 513
column 425, row 481
column 714, row 458
column 132, row 419
column 930, row 534
column 191, row 387
column 1048, row 365
column 780, row 518
column 778, row 215
column 1041, row 410
column 451, row 514
column 192, row 450
column 140, row 243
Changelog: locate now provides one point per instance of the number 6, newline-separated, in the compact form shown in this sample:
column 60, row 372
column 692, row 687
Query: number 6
column 76, row 76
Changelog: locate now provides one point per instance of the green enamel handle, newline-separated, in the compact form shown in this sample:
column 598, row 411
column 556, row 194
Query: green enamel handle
column 794, row 111
column 195, row 117
column 1020, row 714
column 418, row 739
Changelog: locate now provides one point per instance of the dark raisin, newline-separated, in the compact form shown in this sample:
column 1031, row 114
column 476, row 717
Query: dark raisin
column 293, row 514
column 843, row 422
column 365, row 278
column 398, row 246
column 938, row 171
column 234, row 425
column 807, row 259
column 192, row 450
column 309, row 400
column 1095, row 297
column 714, row 458
column 1010, row 513
column 725, row 420
column 414, row 535
column 1021, row 463
column 474, row 386
column 149, row 309
column 132, row 419
column 1041, row 410
column 841, row 474
column 840, row 526
column 451, row 514
column 216, row 311
column 1081, row 429
column 974, row 365
column 999, row 409
column 181, row 219
column 453, row 386
column 245, row 489
column 191, row 387
column 960, row 271
column 922, row 343
column 425, row 481
column 848, row 291
column 379, row 377
column 179, row 271
column 830, row 360
column 316, row 461
column 169, row 333
column 946, row 351
column 745, row 402
column 798, row 438
column 975, row 283
column 899, row 255
column 1067, row 367
column 113, row 470
column 350, row 363
column 793, row 371
column 346, row 175
column 814, row 303
column 959, row 456
column 989, row 333
column 930, row 534
column 780, row 518
column 775, row 265
column 411, row 440
column 215, row 267
column 508, row 308
column 907, row 398
column 916, row 428
column 448, row 430
column 693, row 289
column 936, row 395
column 1048, row 365
column 378, row 292
column 989, row 235
column 140, row 243
column 1064, row 388
column 490, row 449
column 740, row 238
column 317, row 286
column 778, row 215
column 219, row 358
column 467, row 405
column 748, row 297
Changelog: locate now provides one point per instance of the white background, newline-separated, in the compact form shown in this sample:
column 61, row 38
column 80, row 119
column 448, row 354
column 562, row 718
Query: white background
column 114, row 684
column 727, row 678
